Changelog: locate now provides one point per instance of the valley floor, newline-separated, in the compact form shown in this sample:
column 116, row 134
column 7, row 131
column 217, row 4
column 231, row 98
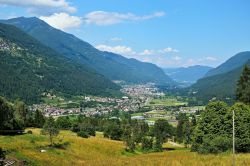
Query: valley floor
column 100, row 151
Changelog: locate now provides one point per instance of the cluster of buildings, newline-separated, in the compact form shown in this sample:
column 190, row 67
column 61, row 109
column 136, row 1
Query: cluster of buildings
column 4, row 45
column 54, row 111
column 137, row 97
column 141, row 90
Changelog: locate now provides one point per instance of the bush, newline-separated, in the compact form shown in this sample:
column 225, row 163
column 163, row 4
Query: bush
column 83, row 134
column 2, row 156
column 147, row 143
column 217, row 145
column 29, row 132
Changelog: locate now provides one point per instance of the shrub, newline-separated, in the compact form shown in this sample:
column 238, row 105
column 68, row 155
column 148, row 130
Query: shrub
column 83, row 134
column 147, row 143
column 2, row 156
column 29, row 132
column 217, row 145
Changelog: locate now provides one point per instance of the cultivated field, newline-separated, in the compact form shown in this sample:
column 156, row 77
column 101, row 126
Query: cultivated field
column 167, row 102
column 101, row 151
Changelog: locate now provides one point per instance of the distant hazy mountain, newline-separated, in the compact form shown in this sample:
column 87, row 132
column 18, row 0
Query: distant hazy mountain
column 28, row 68
column 223, row 85
column 187, row 75
column 147, row 72
column 234, row 62
column 80, row 51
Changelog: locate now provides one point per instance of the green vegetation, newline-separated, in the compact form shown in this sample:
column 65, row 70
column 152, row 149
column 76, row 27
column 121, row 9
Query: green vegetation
column 30, row 68
column 2, row 156
column 221, row 83
column 11, row 119
column 236, row 61
column 243, row 86
column 213, row 133
column 168, row 102
column 100, row 151
column 50, row 128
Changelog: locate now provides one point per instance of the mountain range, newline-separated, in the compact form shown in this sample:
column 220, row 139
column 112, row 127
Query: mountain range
column 187, row 75
column 107, row 64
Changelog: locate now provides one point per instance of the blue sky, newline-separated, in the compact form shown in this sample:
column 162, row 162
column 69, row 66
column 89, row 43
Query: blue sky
column 169, row 33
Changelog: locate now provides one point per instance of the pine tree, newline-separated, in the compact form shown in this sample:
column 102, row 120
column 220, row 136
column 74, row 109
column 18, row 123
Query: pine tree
column 243, row 87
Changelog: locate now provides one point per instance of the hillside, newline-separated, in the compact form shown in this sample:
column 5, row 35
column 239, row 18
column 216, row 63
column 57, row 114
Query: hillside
column 221, row 86
column 30, row 68
column 187, row 75
column 147, row 72
column 97, row 150
column 234, row 62
column 80, row 51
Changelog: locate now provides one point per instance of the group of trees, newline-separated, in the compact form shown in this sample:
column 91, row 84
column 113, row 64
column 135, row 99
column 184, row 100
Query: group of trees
column 15, row 117
column 243, row 86
column 185, row 129
column 137, row 133
column 134, row 133
column 213, row 133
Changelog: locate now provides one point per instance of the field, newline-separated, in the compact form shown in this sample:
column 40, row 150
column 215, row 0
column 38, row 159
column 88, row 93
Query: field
column 167, row 102
column 101, row 151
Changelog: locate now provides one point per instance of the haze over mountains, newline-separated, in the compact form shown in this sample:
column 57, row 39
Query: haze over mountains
column 187, row 75
column 112, row 66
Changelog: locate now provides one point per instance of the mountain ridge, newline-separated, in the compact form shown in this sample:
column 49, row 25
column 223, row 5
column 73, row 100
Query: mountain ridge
column 30, row 68
column 232, row 63
column 187, row 75
column 81, row 51
column 220, row 86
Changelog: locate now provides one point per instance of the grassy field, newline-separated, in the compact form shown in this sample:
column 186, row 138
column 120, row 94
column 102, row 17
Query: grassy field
column 167, row 102
column 99, row 151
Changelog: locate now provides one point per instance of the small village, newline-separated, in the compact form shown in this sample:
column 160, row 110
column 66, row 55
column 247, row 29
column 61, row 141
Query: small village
column 135, row 98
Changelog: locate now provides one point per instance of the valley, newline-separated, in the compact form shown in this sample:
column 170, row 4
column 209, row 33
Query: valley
column 124, row 83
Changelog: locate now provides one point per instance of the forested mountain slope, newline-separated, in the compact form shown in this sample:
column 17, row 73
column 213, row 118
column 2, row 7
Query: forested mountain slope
column 28, row 68
column 234, row 62
column 221, row 86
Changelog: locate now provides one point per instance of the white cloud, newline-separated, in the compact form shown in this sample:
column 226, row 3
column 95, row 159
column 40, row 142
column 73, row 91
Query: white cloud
column 147, row 52
column 115, row 39
column 110, row 18
column 167, row 50
column 39, row 5
column 209, row 58
column 177, row 58
column 123, row 50
column 62, row 21
column 147, row 55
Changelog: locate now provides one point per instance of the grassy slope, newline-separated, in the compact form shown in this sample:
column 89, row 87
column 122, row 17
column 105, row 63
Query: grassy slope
column 100, row 151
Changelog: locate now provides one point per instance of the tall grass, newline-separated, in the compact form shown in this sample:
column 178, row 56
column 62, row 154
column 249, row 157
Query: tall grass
column 100, row 151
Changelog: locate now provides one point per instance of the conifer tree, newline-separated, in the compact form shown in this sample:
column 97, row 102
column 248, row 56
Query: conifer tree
column 243, row 86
